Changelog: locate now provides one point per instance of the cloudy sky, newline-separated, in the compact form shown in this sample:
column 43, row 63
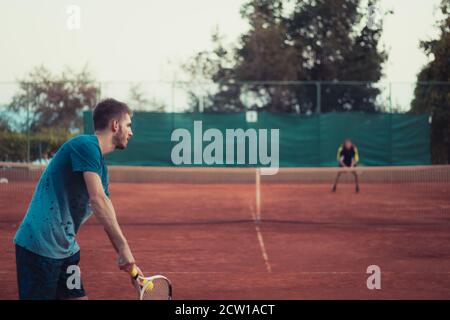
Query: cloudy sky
column 142, row 40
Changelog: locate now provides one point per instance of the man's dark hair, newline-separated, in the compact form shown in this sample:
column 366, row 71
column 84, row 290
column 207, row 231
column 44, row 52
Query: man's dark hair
column 107, row 110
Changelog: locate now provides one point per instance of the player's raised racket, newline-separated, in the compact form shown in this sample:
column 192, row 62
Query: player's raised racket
column 152, row 288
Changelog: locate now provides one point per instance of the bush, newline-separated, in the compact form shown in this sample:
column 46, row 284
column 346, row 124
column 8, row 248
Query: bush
column 13, row 145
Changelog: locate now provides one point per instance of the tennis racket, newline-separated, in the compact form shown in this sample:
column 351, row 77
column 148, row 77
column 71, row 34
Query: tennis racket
column 152, row 288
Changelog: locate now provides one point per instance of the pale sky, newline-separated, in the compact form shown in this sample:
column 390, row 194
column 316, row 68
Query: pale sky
column 141, row 40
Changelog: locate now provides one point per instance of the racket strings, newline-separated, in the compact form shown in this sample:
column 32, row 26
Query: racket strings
column 157, row 289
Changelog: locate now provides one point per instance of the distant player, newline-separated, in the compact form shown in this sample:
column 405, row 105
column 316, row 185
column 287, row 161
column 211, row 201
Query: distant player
column 74, row 184
column 348, row 157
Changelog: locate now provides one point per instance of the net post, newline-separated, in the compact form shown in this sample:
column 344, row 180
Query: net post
column 258, row 195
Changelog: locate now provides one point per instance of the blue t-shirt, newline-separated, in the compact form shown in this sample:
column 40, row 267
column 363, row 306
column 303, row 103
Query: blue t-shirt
column 60, row 202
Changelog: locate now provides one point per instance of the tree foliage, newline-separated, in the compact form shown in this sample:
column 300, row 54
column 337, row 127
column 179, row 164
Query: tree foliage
column 13, row 144
column 311, row 40
column 139, row 102
column 47, row 110
column 55, row 100
column 432, row 93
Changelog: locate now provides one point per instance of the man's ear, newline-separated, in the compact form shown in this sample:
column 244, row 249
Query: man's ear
column 115, row 125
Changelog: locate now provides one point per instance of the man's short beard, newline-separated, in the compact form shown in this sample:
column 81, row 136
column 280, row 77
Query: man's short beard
column 120, row 147
column 117, row 143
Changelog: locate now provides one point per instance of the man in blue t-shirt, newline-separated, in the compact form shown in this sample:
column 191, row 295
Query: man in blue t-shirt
column 74, row 184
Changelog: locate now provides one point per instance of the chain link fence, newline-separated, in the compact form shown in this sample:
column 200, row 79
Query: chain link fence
column 23, row 140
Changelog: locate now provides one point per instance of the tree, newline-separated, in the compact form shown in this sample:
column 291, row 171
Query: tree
column 265, row 54
column 317, row 40
column 432, row 92
column 55, row 101
column 334, row 42
column 262, row 54
column 139, row 101
column 4, row 124
column 212, row 79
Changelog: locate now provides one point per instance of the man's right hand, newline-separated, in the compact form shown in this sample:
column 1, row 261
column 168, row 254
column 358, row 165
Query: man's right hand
column 129, row 267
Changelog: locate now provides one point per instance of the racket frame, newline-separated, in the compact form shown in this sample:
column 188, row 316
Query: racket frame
column 150, row 280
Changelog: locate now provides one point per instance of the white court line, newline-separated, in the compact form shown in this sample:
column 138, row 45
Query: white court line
column 265, row 272
column 263, row 249
column 303, row 272
column 261, row 241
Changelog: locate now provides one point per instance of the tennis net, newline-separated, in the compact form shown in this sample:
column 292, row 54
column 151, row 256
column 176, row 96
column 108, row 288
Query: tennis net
column 387, row 195
column 164, row 195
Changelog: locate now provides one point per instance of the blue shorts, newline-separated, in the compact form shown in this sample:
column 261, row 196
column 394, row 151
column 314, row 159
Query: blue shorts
column 42, row 278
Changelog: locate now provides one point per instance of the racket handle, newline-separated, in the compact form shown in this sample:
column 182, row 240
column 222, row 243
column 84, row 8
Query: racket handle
column 134, row 272
column 135, row 275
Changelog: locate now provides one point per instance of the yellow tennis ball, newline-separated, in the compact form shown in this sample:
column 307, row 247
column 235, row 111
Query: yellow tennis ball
column 149, row 286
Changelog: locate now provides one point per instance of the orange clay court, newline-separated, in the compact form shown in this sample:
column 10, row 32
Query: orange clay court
column 199, row 227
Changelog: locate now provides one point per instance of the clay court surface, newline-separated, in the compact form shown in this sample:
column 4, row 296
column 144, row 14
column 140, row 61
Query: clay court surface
column 311, row 243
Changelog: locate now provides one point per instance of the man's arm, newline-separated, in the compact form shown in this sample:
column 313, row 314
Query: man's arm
column 339, row 156
column 355, row 159
column 105, row 213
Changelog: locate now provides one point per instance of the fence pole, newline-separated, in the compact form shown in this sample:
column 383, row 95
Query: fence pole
column 28, row 132
column 390, row 97
column 318, row 97
column 201, row 105
column 390, row 123
column 318, row 111
column 172, row 96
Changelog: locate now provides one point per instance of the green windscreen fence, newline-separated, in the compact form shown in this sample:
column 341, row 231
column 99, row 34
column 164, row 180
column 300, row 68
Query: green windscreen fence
column 304, row 141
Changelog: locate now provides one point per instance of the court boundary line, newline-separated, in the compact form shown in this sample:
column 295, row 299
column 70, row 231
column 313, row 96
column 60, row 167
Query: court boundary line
column 263, row 249
column 283, row 273
column 260, row 238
